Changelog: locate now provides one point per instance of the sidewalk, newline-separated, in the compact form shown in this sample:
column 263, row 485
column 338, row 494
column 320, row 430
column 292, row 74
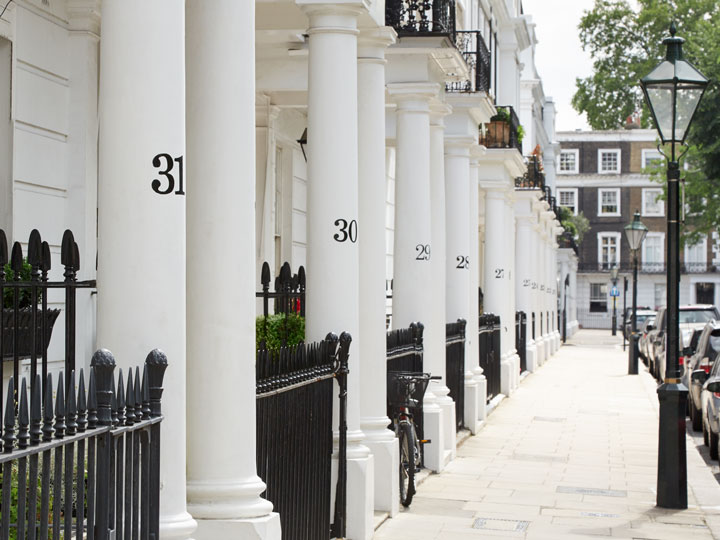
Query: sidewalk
column 571, row 455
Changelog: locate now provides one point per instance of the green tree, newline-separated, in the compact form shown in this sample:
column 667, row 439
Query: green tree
column 624, row 43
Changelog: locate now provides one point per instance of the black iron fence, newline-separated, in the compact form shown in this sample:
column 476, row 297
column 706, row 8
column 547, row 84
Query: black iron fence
column 410, row 17
column 405, row 353
column 294, row 391
column 502, row 130
column 27, row 322
column 489, row 345
column 477, row 57
column 455, row 367
column 521, row 338
column 89, row 466
column 647, row 267
column 288, row 298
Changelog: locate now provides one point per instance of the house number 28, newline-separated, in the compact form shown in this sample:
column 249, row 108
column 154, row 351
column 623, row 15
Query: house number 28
column 165, row 164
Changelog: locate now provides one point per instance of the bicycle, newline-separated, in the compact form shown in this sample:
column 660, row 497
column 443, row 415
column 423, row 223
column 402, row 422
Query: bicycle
column 405, row 391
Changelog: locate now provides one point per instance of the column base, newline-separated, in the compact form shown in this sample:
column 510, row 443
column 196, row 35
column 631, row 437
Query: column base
column 261, row 528
column 446, row 403
column 360, row 494
column 506, row 375
column 386, row 470
column 433, row 452
column 558, row 340
column 540, row 348
column 178, row 526
column 474, row 397
column 573, row 327
column 531, row 357
column 514, row 360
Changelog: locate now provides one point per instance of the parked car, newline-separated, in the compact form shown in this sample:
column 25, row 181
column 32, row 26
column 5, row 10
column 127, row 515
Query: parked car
column 644, row 331
column 708, row 346
column 690, row 318
column 710, row 401
column 642, row 314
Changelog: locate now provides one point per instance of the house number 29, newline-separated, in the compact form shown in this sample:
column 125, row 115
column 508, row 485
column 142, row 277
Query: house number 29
column 423, row 252
column 165, row 164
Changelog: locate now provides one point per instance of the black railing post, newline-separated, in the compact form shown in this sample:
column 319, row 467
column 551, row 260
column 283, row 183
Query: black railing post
column 70, row 259
column 340, row 520
column 103, row 366
column 156, row 363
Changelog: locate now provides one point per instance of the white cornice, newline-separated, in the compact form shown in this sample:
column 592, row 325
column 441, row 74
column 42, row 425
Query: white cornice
column 621, row 135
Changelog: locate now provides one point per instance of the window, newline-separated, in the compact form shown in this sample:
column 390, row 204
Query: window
column 569, row 161
column 653, row 252
column 652, row 205
column 568, row 199
column 598, row 297
column 608, row 250
column 608, row 161
column 651, row 158
column 696, row 256
column 659, row 295
column 609, row 202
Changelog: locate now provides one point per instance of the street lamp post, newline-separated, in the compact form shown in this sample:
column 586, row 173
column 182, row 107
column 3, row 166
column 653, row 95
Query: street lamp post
column 614, row 278
column 625, row 282
column 635, row 234
column 673, row 91
column 564, row 313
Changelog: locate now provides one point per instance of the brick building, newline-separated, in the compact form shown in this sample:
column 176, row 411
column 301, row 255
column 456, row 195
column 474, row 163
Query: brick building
column 606, row 176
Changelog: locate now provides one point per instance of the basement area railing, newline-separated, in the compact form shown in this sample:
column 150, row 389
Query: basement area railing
column 489, row 345
column 455, row 367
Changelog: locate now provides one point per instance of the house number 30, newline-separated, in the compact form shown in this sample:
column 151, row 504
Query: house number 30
column 165, row 164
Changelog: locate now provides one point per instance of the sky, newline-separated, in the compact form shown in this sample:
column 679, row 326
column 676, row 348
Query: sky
column 559, row 56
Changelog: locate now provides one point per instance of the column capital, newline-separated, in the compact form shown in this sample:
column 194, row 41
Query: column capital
column 336, row 17
column 458, row 145
column 477, row 152
column 408, row 94
column 84, row 15
column 438, row 112
column 372, row 42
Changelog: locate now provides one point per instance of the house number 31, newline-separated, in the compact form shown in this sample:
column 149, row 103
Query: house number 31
column 165, row 164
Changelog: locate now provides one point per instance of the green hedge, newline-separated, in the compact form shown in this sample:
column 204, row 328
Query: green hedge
column 272, row 329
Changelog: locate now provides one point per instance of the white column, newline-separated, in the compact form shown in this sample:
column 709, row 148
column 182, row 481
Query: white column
column 332, row 225
column 525, row 262
column 475, row 381
column 462, row 260
column 572, row 300
column 141, row 244
column 223, row 487
column 537, row 294
column 497, row 280
column 413, row 234
column 372, row 199
column 512, row 356
column 435, row 331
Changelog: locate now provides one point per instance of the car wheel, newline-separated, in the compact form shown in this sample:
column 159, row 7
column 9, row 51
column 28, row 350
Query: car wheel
column 695, row 416
column 713, row 445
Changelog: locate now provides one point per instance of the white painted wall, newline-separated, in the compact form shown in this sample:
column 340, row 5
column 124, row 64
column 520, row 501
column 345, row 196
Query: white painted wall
column 5, row 136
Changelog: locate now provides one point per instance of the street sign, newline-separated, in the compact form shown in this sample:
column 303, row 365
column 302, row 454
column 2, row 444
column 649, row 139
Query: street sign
column 614, row 292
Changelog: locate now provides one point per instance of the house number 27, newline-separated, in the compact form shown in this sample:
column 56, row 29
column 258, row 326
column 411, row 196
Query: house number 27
column 165, row 164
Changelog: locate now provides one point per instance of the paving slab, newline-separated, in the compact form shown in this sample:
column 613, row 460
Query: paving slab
column 571, row 455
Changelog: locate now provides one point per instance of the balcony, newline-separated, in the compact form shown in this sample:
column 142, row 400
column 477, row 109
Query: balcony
column 534, row 177
column 421, row 18
column 502, row 130
column 645, row 267
column 566, row 240
column 477, row 57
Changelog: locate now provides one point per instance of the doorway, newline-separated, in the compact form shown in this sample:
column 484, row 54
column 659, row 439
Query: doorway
column 705, row 293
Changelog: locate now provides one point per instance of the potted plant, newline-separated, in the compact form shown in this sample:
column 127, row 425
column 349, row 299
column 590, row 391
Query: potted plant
column 23, row 316
column 498, row 129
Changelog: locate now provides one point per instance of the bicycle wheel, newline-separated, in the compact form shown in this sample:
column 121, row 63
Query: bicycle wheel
column 407, row 463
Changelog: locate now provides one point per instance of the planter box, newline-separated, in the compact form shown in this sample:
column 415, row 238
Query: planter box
column 497, row 135
column 24, row 345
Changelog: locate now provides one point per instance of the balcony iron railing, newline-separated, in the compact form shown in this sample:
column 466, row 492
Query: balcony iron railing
column 648, row 267
column 477, row 57
column 421, row 18
column 534, row 177
column 502, row 130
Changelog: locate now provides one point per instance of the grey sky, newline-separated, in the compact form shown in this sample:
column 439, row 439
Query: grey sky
column 559, row 56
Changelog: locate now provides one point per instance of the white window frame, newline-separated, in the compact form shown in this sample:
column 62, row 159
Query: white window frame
column 649, row 153
column 574, row 191
column 646, row 192
column 702, row 243
column 602, row 151
column 576, row 152
column 618, row 238
column 600, row 213
column 651, row 266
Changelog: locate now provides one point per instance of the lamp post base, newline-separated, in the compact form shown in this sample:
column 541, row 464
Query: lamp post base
column 672, row 458
column 633, row 354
